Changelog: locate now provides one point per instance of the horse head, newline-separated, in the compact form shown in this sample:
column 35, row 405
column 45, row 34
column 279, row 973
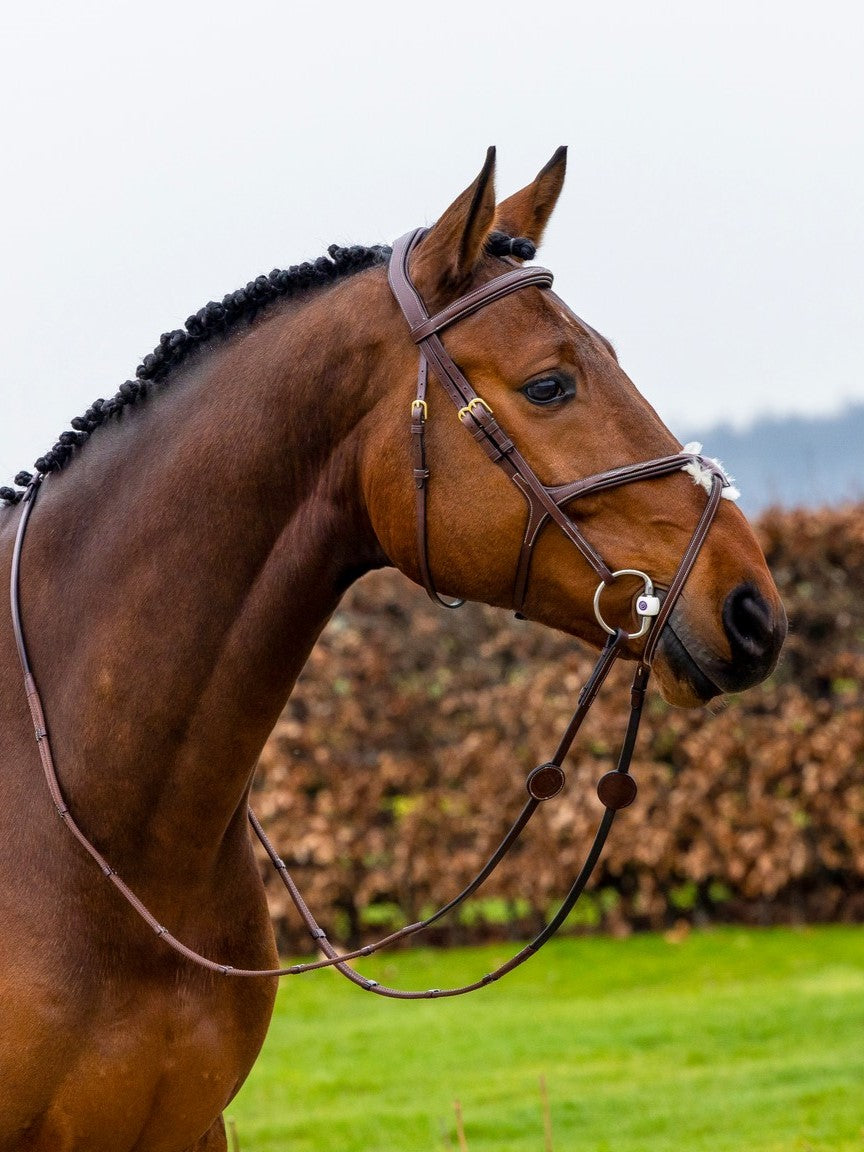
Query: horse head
column 555, row 392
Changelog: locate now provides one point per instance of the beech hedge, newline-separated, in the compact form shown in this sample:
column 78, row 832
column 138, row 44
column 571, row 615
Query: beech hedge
column 400, row 760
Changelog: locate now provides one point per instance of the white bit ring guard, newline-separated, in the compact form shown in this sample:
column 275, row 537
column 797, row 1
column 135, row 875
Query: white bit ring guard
column 647, row 604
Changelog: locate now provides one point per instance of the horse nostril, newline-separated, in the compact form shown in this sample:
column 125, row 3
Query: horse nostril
column 754, row 634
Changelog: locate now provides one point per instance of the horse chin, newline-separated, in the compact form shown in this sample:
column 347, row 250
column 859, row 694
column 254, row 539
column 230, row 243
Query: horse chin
column 681, row 679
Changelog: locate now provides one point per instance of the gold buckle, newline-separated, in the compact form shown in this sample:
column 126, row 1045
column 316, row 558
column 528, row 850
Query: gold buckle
column 421, row 404
column 472, row 404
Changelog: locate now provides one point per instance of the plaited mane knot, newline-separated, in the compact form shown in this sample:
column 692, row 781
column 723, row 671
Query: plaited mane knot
column 500, row 244
column 214, row 319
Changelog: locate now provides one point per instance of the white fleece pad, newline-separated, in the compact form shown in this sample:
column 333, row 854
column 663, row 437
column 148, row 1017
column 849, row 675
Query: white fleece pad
column 702, row 476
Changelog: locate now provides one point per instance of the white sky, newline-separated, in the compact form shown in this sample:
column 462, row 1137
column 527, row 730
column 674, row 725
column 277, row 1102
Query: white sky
column 158, row 155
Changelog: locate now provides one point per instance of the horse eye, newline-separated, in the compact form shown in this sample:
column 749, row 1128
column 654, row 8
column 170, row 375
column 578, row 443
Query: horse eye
column 546, row 391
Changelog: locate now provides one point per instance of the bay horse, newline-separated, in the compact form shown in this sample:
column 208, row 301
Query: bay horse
column 192, row 538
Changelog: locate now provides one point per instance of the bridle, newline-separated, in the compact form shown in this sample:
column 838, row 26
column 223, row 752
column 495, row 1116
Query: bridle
column 616, row 789
column 545, row 502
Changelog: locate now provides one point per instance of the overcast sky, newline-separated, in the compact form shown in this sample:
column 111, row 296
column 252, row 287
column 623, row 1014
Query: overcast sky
column 157, row 155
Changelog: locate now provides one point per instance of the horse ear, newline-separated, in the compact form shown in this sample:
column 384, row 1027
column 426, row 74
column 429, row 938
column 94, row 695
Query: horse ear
column 448, row 254
column 526, row 213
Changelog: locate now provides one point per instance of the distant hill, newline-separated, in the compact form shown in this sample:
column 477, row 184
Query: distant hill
column 793, row 461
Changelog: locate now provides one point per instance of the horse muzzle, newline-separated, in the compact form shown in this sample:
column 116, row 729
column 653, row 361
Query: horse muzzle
column 754, row 631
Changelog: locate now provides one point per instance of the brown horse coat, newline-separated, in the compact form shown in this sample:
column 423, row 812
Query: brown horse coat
column 175, row 579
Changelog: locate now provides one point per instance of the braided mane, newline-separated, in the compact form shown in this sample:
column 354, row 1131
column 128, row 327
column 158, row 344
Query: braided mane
column 219, row 319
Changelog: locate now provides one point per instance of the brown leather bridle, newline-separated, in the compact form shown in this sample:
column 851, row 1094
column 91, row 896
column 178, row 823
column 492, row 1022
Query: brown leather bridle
column 616, row 789
column 545, row 502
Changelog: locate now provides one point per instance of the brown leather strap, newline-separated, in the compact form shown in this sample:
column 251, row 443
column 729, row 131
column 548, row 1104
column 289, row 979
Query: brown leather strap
column 495, row 289
column 419, row 409
column 613, row 799
column 686, row 565
column 562, row 494
column 543, row 783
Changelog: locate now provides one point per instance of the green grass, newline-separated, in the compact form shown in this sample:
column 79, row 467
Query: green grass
column 751, row 1041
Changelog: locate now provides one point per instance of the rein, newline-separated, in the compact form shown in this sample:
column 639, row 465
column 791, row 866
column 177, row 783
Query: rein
column 616, row 789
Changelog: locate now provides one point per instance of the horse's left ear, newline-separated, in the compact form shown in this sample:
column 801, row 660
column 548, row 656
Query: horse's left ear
column 526, row 213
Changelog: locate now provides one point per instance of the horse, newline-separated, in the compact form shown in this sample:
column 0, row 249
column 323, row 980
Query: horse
column 192, row 537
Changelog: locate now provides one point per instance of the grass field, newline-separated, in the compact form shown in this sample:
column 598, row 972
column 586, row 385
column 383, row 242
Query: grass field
column 750, row 1041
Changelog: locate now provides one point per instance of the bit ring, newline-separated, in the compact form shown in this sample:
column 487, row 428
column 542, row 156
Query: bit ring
column 647, row 604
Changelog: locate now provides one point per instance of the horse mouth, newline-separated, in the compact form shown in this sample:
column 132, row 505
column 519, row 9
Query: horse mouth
column 753, row 633
column 685, row 665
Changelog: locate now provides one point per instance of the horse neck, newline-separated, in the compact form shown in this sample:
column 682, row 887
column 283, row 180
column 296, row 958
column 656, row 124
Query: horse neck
column 176, row 576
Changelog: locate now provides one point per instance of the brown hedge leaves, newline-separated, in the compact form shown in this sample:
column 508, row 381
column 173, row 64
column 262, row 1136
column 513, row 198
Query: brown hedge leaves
column 400, row 761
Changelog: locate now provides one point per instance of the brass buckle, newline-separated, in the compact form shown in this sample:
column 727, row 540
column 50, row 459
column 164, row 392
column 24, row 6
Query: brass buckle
column 423, row 407
column 647, row 604
column 472, row 404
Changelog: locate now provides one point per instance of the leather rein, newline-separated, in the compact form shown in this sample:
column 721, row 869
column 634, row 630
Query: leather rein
column 616, row 789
